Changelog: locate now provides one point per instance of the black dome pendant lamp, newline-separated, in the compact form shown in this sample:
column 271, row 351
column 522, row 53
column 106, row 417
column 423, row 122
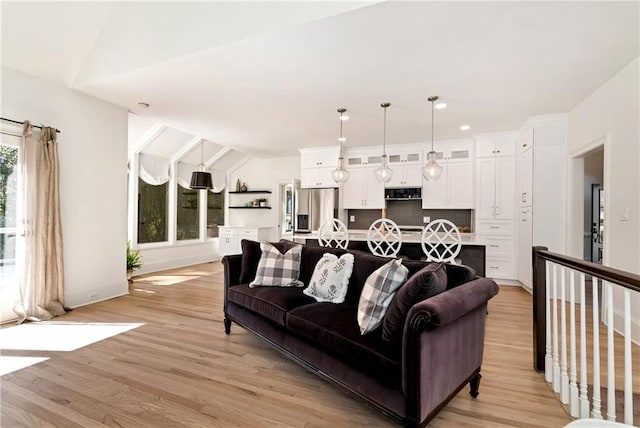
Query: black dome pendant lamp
column 201, row 179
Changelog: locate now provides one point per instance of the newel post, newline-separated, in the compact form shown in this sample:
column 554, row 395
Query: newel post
column 539, row 300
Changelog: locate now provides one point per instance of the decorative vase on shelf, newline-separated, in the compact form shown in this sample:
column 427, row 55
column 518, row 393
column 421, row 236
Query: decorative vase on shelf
column 238, row 186
column 243, row 188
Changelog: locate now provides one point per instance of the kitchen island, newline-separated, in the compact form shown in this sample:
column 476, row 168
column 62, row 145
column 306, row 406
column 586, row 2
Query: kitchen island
column 471, row 254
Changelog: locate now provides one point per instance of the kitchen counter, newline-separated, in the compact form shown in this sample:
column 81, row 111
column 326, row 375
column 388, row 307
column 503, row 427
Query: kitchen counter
column 415, row 237
column 472, row 253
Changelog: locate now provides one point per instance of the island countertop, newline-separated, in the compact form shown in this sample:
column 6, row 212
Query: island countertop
column 408, row 237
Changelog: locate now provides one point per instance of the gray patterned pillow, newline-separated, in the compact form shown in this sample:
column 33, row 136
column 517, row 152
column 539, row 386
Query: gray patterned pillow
column 378, row 290
column 330, row 279
column 276, row 269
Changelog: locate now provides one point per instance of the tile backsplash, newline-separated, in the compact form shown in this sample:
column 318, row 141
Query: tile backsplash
column 409, row 213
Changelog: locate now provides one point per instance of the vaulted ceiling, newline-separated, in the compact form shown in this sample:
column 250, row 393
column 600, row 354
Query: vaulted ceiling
column 267, row 77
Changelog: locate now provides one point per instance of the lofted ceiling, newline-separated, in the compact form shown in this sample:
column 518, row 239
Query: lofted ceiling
column 266, row 78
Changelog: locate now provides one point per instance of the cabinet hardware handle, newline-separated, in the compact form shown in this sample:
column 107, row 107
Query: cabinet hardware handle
column 524, row 145
column 494, row 246
column 494, row 227
column 524, row 219
column 498, row 151
column 493, row 267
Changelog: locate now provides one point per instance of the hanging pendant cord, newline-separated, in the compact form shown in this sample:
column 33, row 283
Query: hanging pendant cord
column 384, row 133
column 432, row 125
column 341, row 134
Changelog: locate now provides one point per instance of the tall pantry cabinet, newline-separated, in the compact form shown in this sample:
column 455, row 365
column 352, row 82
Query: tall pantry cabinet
column 495, row 202
column 542, row 160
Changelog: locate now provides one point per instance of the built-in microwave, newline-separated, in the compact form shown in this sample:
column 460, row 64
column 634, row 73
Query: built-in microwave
column 403, row 193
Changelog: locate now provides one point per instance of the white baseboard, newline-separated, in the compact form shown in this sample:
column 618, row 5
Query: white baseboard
column 88, row 296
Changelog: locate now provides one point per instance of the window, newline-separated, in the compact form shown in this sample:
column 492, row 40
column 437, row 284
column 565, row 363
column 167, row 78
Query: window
column 215, row 213
column 9, row 153
column 188, row 218
column 152, row 212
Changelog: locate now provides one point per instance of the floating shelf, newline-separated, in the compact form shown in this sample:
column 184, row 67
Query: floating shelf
column 252, row 191
column 251, row 208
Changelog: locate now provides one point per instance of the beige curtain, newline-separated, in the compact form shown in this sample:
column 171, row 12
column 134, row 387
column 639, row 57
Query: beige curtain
column 39, row 261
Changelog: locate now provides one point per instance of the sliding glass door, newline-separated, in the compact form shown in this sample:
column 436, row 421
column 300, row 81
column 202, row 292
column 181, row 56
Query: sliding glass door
column 9, row 155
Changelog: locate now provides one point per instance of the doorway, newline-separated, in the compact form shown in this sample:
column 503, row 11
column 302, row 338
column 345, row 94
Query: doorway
column 594, row 201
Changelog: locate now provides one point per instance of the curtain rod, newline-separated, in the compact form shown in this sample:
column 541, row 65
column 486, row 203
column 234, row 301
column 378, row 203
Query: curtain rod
column 22, row 123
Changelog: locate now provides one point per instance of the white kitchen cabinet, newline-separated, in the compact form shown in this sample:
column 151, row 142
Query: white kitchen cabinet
column 495, row 145
column 317, row 177
column 525, row 172
column 316, row 165
column 230, row 237
column 495, row 187
column 525, row 243
column 542, row 154
column 405, row 175
column 453, row 190
column 362, row 190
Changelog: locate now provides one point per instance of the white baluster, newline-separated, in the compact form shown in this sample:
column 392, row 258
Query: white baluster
column 548, row 359
column 556, row 362
column 574, row 405
column 595, row 412
column 564, row 377
column 584, row 398
column 628, row 374
column 611, row 363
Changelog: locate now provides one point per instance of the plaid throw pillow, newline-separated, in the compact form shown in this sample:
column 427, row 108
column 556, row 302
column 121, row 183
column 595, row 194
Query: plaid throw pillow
column 330, row 279
column 378, row 290
column 276, row 269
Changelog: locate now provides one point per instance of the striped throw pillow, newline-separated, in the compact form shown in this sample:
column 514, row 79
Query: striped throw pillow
column 378, row 290
column 276, row 269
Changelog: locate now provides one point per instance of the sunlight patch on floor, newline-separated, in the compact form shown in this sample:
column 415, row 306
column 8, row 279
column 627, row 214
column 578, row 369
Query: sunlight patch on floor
column 167, row 279
column 59, row 336
column 12, row 364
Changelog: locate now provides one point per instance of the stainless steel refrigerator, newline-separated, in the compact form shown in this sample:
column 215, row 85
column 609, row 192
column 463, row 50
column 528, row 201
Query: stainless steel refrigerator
column 313, row 207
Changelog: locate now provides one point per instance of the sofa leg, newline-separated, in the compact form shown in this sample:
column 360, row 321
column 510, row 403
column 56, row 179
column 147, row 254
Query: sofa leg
column 474, row 384
column 227, row 326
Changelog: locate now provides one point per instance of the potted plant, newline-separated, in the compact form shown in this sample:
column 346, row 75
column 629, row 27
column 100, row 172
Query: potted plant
column 134, row 260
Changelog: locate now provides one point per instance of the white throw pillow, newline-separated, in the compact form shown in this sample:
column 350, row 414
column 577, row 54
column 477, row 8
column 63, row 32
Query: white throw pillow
column 378, row 290
column 330, row 279
column 276, row 269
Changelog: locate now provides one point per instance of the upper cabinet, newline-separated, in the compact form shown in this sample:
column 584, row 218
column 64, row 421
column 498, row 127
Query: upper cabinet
column 317, row 165
column 406, row 164
column 362, row 190
column 454, row 188
column 495, row 177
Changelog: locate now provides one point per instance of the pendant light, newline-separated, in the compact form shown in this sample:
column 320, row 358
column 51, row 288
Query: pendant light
column 384, row 173
column 432, row 171
column 340, row 174
column 201, row 179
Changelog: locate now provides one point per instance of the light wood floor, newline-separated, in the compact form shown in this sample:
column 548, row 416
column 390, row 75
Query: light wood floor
column 180, row 370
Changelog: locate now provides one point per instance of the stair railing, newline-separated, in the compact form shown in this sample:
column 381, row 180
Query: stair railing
column 559, row 283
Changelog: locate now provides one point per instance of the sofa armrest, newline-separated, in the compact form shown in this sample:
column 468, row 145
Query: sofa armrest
column 450, row 305
column 443, row 345
column 232, row 266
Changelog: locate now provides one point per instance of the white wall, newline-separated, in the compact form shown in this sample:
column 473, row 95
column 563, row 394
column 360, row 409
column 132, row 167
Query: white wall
column 612, row 111
column 260, row 174
column 93, row 180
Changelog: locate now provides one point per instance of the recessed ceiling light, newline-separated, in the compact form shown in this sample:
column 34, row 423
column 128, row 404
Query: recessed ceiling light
column 344, row 117
column 342, row 139
column 440, row 105
column 143, row 105
column 465, row 127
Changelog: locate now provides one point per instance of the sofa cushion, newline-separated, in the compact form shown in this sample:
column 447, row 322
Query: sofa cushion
column 270, row 302
column 456, row 274
column 334, row 329
column 251, row 254
column 276, row 269
column 428, row 282
column 330, row 279
column 378, row 290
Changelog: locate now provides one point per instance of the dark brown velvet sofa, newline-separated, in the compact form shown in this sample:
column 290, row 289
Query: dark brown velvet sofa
column 411, row 380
